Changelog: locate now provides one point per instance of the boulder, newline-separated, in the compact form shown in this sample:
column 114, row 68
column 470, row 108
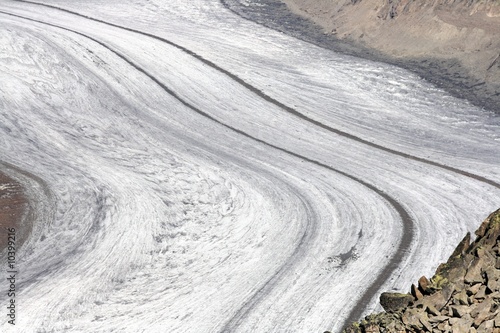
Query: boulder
column 394, row 301
column 464, row 323
column 411, row 319
column 423, row 284
column 424, row 320
column 492, row 278
column 437, row 300
column 416, row 292
column 486, row 327
column 481, row 294
column 431, row 309
column 461, row 298
column 473, row 290
column 462, row 246
column 481, row 312
column 473, row 274
column 459, row 310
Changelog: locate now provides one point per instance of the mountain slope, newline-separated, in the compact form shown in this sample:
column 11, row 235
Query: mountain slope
column 459, row 37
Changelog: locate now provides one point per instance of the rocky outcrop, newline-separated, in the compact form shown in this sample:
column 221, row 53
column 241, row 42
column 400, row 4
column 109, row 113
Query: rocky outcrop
column 456, row 41
column 463, row 296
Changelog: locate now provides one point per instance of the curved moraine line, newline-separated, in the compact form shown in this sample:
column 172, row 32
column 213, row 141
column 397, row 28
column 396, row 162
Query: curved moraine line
column 272, row 100
column 246, row 309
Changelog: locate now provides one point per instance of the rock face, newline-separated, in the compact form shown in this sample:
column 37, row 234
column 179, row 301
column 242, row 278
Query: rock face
column 457, row 40
column 462, row 296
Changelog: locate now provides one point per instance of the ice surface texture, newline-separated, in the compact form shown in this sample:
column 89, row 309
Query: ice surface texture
column 208, row 174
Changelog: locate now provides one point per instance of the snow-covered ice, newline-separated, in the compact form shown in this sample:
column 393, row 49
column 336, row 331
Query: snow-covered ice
column 204, row 173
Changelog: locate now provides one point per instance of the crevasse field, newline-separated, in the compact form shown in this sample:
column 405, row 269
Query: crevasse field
column 193, row 171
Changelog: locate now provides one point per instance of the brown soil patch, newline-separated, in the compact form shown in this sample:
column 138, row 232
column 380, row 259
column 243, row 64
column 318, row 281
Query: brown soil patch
column 12, row 206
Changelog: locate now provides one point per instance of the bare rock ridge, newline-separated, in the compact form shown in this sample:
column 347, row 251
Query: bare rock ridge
column 462, row 296
column 457, row 40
